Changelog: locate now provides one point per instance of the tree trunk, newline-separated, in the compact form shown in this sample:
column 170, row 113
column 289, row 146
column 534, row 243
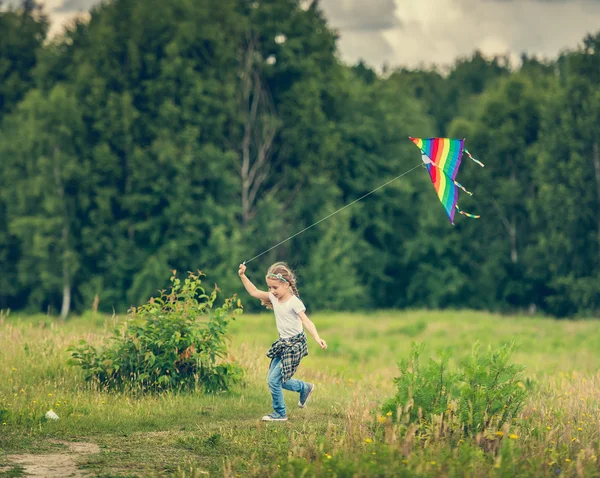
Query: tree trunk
column 259, row 130
column 66, row 303
column 60, row 190
column 514, row 256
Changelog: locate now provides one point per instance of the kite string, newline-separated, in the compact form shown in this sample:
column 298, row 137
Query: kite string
column 335, row 212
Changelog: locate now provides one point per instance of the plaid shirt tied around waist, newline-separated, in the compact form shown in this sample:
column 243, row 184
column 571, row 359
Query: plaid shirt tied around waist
column 291, row 351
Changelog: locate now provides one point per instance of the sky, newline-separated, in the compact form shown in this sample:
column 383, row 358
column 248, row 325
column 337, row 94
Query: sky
column 422, row 33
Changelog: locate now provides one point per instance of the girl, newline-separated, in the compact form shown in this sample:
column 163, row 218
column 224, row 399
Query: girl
column 285, row 353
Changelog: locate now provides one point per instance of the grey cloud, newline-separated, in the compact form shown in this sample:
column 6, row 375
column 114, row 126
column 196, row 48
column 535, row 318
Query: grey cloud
column 366, row 16
column 74, row 6
column 419, row 33
column 362, row 26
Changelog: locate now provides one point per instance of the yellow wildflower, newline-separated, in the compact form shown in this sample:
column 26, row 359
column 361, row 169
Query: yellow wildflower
column 381, row 419
column 328, row 456
column 567, row 460
column 433, row 463
column 579, row 428
column 499, row 434
column 388, row 414
column 512, row 436
column 367, row 440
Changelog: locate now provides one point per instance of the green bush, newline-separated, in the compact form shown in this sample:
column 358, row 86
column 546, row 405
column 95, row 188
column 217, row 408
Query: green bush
column 176, row 340
column 484, row 392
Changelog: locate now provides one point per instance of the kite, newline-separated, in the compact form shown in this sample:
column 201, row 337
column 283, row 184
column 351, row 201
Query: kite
column 442, row 157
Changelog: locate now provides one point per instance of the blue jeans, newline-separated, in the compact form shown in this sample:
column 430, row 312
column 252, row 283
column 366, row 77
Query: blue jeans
column 276, row 386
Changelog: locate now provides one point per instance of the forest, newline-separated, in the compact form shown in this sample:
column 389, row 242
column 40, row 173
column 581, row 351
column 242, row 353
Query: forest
column 184, row 135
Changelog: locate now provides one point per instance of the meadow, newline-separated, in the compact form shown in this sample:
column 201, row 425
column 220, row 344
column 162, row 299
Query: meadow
column 341, row 432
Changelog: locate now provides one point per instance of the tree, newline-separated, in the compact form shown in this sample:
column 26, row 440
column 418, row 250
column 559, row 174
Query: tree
column 23, row 33
column 46, row 192
column 505, row 134
column 566, row 256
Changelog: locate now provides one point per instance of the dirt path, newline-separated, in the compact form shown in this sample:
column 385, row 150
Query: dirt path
column 55, row 465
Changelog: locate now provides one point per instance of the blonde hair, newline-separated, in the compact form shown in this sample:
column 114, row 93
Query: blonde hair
column 287, row 275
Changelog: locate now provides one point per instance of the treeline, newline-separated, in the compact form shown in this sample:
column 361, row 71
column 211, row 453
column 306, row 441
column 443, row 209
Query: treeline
column 184, row 135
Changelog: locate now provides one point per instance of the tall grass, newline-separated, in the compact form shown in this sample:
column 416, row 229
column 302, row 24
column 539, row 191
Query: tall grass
column 342, row 432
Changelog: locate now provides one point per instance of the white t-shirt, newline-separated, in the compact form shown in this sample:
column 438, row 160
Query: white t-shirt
column 286, row 316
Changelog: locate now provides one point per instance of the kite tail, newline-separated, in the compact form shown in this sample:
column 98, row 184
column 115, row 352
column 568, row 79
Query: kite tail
column 463, row 188
column 476, row 160
column 466, row 213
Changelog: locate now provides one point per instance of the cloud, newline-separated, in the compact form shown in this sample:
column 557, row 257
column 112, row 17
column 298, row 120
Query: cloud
column 72, row 6
column 427, row 32
column 360, row 15
column 362, row 26
column 417, row 33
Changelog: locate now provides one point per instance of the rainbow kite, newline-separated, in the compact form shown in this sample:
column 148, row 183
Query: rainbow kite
column 442, row 158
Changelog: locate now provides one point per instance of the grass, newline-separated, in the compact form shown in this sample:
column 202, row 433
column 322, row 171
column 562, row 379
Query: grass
column 340, row 433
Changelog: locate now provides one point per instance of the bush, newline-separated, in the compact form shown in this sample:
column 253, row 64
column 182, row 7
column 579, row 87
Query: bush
column 485, row 392
column 176, row 340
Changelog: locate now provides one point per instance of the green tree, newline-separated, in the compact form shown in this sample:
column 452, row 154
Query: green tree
column 566, row 256
column 373, row 123
column 505, row 136
column 156, row 83
column 23, row 30
column 46, row 190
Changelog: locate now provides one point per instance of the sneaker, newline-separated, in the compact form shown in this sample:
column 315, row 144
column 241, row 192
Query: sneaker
column 274, row 417
column 305, row 395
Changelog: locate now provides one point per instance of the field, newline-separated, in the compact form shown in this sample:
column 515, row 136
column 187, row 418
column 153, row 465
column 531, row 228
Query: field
column 340, row 433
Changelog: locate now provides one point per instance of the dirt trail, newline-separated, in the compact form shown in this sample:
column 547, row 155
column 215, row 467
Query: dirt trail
column 55, row 465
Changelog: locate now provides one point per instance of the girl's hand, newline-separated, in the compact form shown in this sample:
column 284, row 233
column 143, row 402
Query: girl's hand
column 322, row 343
column 242, row 270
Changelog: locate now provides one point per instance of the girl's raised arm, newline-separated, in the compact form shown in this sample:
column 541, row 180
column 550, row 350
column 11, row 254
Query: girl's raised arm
column 250, row 287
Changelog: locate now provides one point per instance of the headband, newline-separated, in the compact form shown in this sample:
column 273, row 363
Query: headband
column 277, row 276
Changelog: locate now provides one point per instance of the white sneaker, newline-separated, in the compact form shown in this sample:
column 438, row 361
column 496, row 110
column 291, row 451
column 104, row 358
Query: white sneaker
column 274, row 417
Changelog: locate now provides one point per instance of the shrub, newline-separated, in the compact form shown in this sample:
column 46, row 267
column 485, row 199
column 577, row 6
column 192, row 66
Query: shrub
column 483, row 392
column 175, row 340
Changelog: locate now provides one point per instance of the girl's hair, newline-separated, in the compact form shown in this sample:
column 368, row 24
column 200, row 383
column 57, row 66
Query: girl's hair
column 287, row 275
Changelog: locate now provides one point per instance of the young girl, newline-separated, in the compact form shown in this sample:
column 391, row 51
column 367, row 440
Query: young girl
column 285, row 353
